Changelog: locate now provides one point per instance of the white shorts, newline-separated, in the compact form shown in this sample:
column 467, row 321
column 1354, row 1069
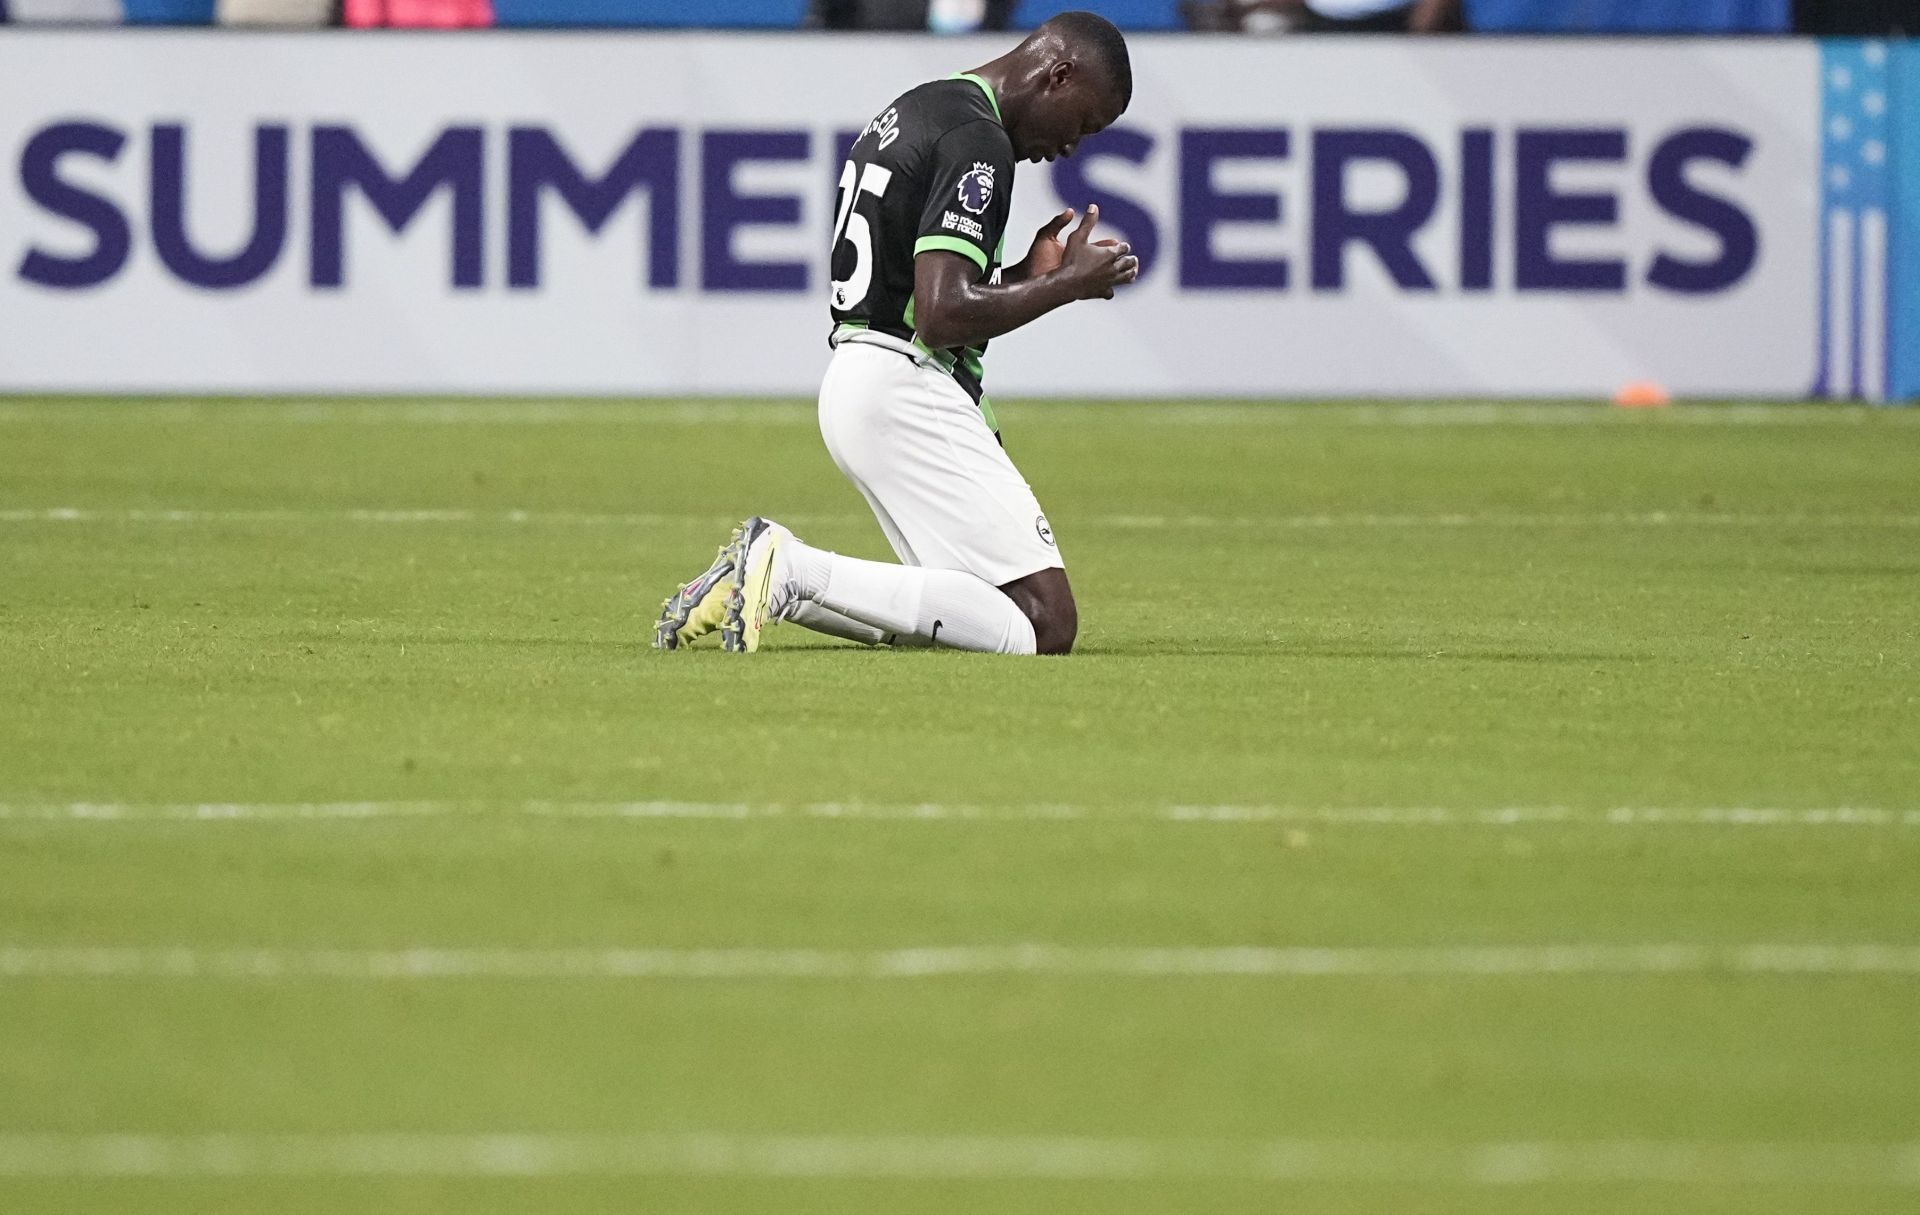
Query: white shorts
column 915, row 446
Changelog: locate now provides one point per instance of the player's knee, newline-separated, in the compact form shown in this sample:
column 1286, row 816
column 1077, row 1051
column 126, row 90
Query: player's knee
column 1047, row 601
column 1055, row 626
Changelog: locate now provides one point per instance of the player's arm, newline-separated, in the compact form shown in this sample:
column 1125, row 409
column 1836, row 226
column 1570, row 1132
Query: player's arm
column 953, row 306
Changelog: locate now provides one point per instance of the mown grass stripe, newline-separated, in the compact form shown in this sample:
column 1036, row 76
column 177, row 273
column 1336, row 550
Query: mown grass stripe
column 947, row 1158
column 427, row 963
column 933, row 812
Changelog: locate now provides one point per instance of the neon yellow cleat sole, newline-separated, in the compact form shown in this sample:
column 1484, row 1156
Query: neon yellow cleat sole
column 747, row 613
column 698, row 607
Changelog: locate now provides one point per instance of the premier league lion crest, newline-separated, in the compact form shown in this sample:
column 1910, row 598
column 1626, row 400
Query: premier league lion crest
column 976, row 188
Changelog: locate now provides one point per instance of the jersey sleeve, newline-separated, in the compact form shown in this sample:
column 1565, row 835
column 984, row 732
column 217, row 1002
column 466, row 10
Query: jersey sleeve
column 971, row 178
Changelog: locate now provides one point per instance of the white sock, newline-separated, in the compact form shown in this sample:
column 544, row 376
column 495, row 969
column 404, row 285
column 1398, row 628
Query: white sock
column 810, row 615
column 942, row 607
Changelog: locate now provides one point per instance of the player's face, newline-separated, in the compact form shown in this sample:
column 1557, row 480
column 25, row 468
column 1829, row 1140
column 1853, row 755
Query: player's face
column 1074, row 104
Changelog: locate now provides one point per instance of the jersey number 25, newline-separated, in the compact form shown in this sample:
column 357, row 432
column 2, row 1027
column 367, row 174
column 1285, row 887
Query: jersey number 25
column 851, row 291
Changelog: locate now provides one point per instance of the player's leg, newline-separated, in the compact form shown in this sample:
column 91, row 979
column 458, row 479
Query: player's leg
column 823, row 619
column 914, row 445
column 903, row 603
column 1047, row 600
column 912, row 605
column 701, row 605
column 949, row 502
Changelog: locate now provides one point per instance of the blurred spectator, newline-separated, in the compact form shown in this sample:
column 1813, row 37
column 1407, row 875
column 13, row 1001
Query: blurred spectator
column 1380, row 16
column 1817, row 17
column 1326, row 16
column 1857, row 17
column 65, row 12
column 944, row 16
column 966, row 16
column 1629, row 16
column 650, row 14
column 167, row 12
column 417, row 14
column 1127, row 14
column 274, row 12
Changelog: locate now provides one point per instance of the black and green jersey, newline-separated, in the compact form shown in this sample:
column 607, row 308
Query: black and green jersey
column 933, row 171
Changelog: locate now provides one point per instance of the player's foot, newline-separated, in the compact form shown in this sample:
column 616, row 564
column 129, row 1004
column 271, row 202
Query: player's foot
column 700, row 606
column 760, row 584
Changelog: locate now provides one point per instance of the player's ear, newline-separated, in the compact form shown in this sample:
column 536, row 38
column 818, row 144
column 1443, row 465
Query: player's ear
column 1059, row 73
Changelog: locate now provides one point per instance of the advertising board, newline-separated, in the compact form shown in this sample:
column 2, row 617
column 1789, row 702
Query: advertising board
column 608, row 213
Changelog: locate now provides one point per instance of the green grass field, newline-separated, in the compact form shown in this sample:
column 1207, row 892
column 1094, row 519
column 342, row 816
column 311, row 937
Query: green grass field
column 1451, row 808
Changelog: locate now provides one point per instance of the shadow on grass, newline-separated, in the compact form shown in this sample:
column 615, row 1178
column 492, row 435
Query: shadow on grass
column 829, row 651
column 1393, row 654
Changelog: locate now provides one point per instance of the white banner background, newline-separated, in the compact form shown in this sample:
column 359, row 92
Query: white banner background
column 594, row 326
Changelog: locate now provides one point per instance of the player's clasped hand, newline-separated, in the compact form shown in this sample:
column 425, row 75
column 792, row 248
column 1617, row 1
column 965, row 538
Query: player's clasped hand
column 1095, row 268
column 1048, row 251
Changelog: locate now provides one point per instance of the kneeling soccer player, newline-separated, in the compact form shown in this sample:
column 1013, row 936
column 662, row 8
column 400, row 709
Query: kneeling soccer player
column 917, row 293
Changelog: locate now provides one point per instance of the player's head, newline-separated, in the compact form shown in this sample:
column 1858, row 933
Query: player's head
column 1073, row 79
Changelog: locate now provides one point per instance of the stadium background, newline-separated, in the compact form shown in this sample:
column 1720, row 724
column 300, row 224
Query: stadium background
column 618, row 212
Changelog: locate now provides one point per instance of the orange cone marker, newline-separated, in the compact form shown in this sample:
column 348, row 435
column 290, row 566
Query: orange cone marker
column 1641, row 394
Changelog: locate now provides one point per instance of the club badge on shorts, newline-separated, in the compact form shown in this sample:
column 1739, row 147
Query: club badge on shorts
column 1045, row 529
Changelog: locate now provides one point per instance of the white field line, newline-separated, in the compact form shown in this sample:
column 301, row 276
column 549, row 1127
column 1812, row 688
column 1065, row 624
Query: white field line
column 500, row 411
column 951, row 1158
column 1124, row 522
column 933, row 812
column 1636, row 519
column 71, row 514
column 20, row 963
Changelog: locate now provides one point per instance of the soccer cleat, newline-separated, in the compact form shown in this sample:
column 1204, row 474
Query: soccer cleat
column 700, row 606
column 749, row 606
